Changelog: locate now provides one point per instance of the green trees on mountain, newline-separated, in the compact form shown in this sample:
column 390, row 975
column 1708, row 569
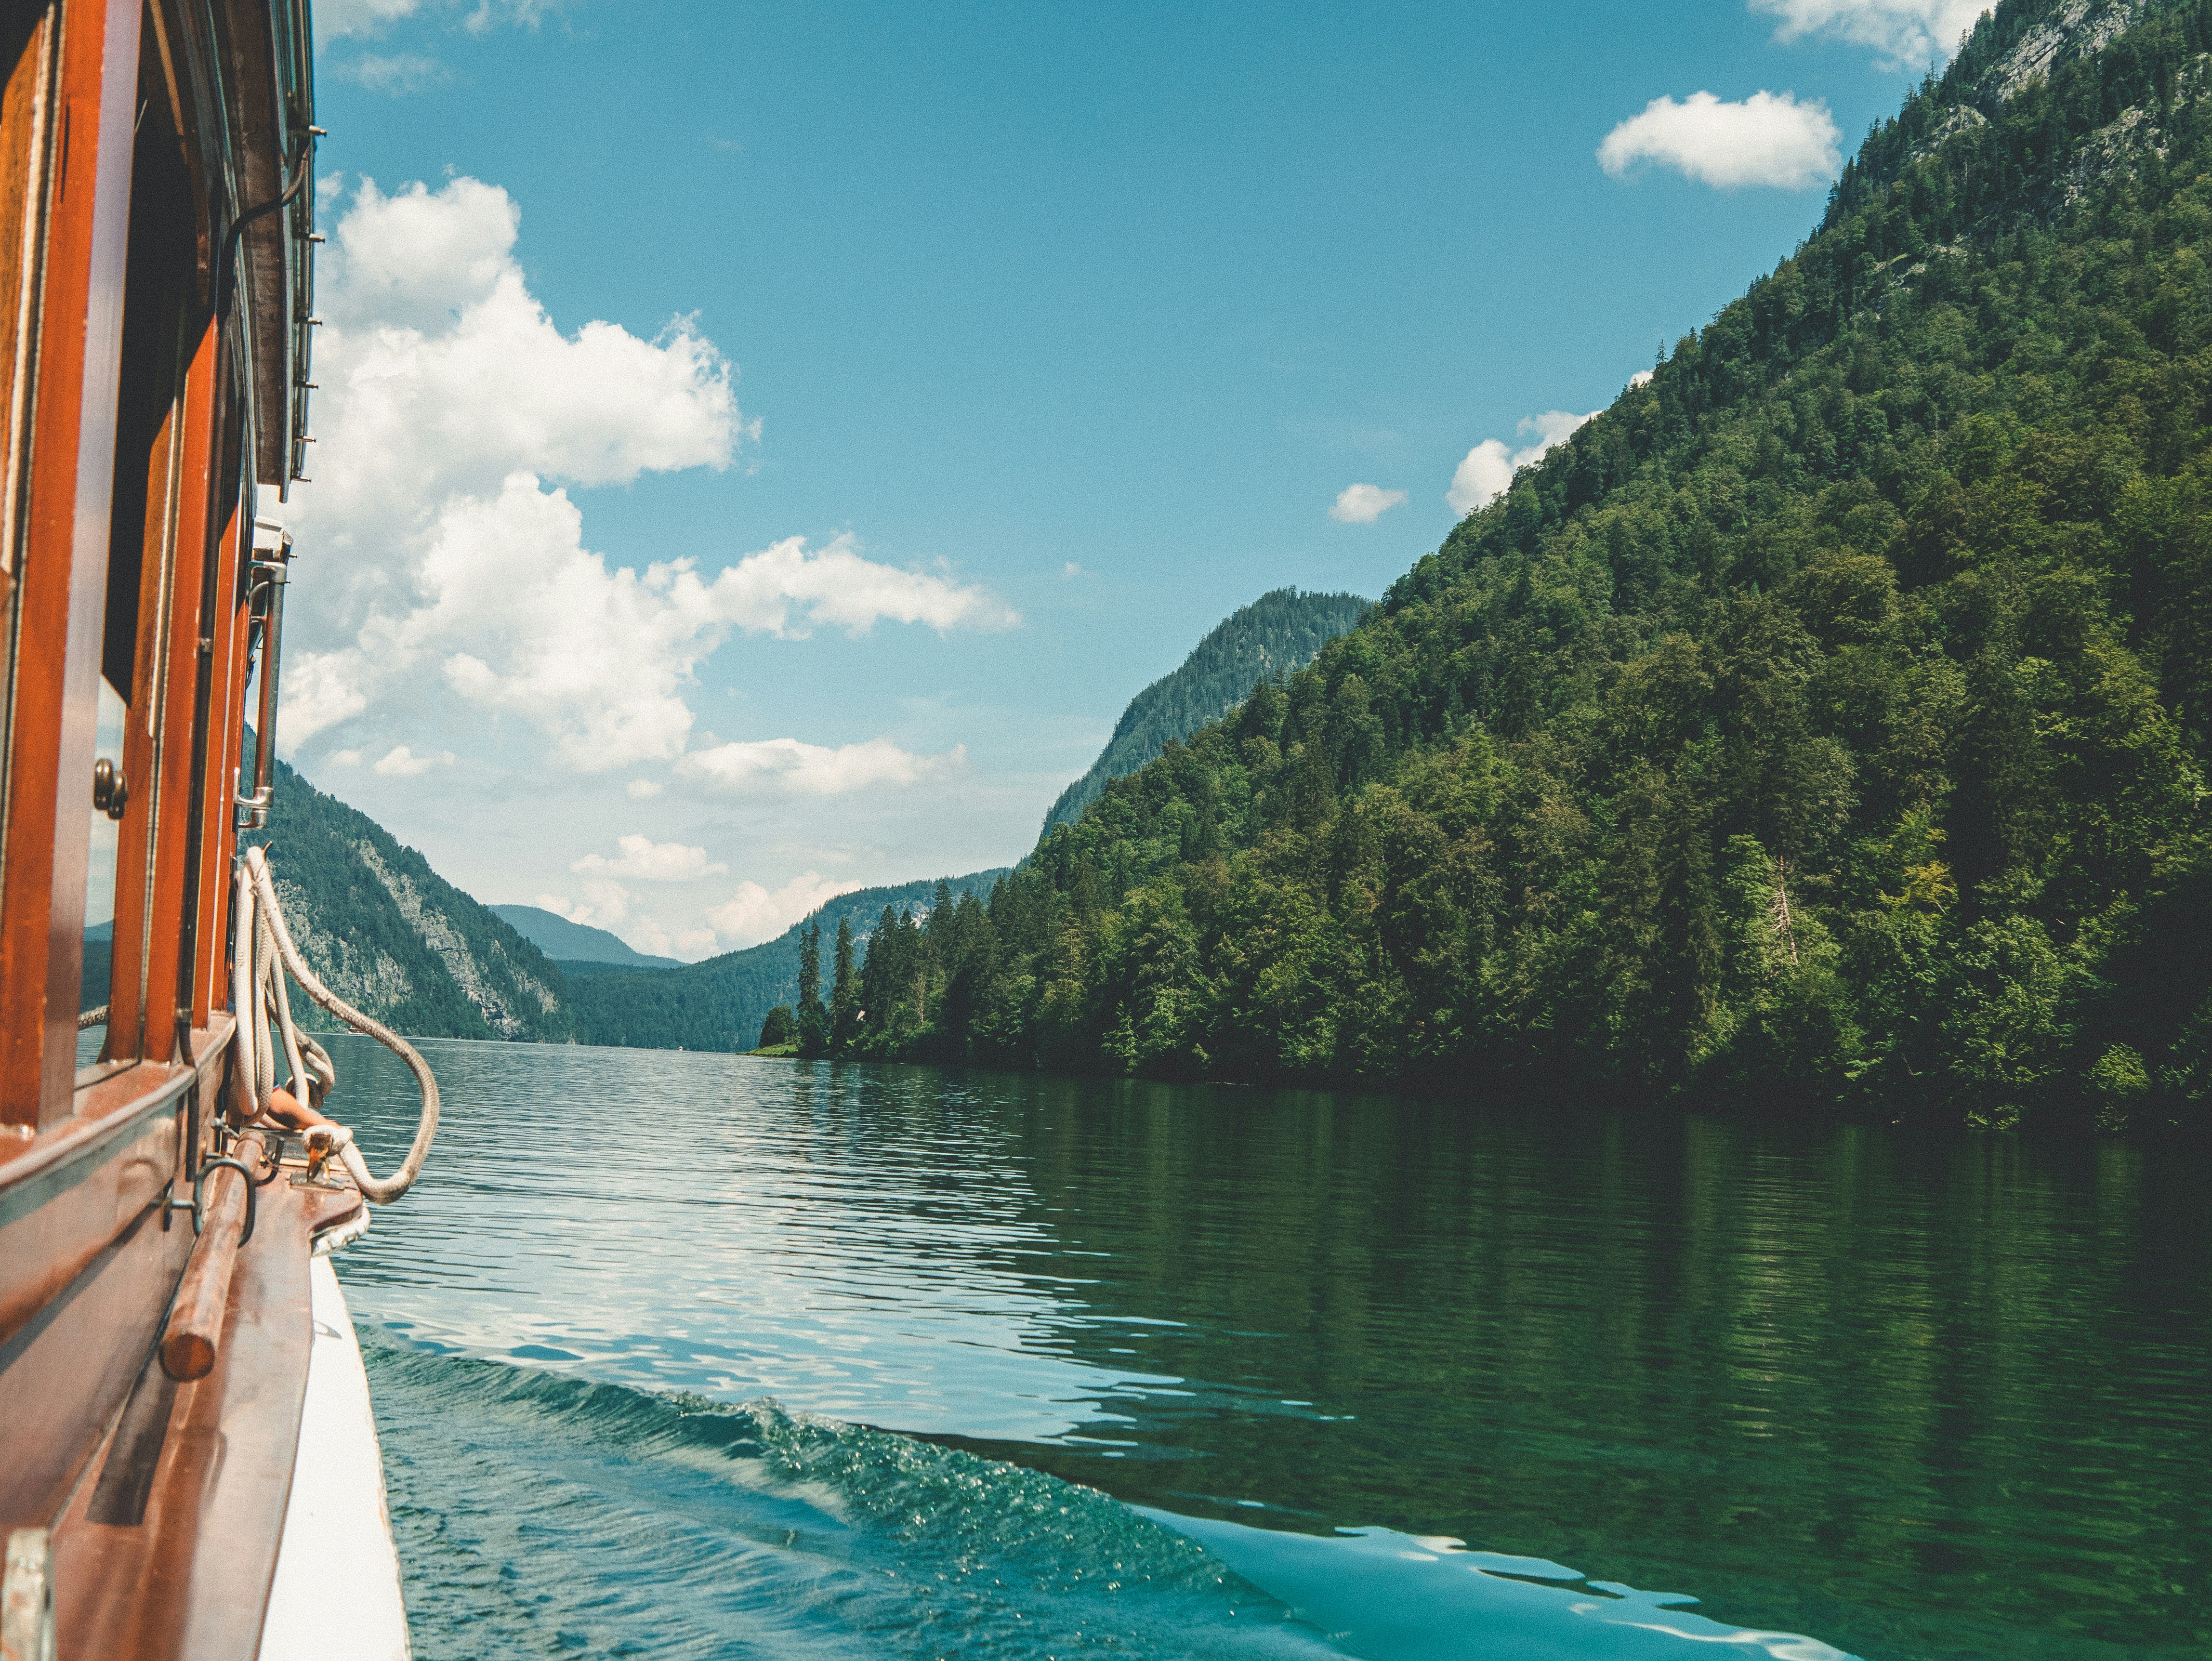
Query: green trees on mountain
column 1826, row 723
column 1278, row 632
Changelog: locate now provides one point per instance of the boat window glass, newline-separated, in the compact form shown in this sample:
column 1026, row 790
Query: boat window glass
column 100, row 870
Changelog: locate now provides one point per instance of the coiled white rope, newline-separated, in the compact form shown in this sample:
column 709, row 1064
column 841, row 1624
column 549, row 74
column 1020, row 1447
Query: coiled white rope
column 264, row 952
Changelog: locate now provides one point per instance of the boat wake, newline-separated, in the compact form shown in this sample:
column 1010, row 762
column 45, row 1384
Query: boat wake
column 537, row 1513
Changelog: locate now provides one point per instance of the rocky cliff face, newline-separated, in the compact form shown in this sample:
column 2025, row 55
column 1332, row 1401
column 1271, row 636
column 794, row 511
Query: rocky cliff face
column 2051, row 37
column 392, row 937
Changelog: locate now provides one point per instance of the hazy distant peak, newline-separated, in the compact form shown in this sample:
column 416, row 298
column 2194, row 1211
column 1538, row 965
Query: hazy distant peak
column 575, row 942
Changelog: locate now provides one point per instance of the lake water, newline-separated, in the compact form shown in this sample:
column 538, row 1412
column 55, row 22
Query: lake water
column 688, row 1355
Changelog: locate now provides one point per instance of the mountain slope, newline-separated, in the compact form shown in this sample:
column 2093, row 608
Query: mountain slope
column 564, row 941
column 1277, row 633
column 1825, row 724
column 392, row 937
column 719, row 1004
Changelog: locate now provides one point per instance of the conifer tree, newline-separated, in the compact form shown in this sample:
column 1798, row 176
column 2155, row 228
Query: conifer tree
column 813, row 1024
column 844, row 1005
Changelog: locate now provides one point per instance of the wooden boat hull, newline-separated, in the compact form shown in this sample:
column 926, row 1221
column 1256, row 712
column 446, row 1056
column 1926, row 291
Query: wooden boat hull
column 158, row 1346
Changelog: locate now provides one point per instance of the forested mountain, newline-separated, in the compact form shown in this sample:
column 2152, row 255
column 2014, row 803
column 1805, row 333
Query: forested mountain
column 393, row 938
column 1277, row 633
column 1825, row 724
column 719, row 1004
column 577, row 944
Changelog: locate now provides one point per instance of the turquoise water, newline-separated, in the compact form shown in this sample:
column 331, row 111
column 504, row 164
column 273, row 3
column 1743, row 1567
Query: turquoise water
column 692, row 1355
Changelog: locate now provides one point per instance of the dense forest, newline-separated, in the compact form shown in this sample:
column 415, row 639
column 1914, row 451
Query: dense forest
column 1278, row 632
column 720, row 1004
column 1823, row 726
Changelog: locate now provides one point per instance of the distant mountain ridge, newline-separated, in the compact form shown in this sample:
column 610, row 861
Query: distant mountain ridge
column 565, row 942
column 1277, row 634
column 719, row 1004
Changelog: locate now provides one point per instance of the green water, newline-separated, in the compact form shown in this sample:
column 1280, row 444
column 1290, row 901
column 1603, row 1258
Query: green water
column 1912, row 1396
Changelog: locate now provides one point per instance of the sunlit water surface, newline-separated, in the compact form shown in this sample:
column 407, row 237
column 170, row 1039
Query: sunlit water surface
column 687, row 1356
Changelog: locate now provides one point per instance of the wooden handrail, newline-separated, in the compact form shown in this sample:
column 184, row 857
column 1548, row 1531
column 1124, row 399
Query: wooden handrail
column 195, row 1317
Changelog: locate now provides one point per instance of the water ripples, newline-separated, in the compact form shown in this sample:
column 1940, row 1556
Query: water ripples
column 1924, row 1397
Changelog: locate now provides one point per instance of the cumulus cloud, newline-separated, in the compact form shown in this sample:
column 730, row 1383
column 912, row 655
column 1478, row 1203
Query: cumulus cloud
column 647, row 861
column 1769, row 138
column 336, row 19
column 1901, row 31
column 606, row 903
column 396, row 74
column 788, row 767
column 401, row 762
column 1642, row 378
column 755, row 913
column 455, row 416
column 1486, row 473
column 1363, row 504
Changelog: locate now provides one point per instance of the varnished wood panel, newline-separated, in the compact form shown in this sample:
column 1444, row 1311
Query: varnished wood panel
column 64, row 1374
column 64, row 1195
column 61, row 596
column 27, row 108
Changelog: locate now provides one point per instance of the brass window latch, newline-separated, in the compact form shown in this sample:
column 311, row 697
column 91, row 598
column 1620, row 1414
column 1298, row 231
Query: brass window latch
column 111, row 791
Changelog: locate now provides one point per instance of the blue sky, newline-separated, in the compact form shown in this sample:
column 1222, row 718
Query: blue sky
column 1073, row 322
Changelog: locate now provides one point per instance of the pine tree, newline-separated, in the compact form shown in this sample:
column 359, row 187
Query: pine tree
column 844, row 1005
column 813, row 1025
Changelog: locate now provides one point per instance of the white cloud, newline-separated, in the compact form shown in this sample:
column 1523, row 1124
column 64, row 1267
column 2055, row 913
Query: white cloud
column 1642, row 378
column 605, row 903
column 1769, row 138
column 644, row 789
column 1069, row 571
column 401, row 762
column 788, row 767
column 1483, row 475
column 453, row 415
column 396, row 75
column 647, row 861
column 345, row 757
column 1363, row 504
column 787, row 592
column 336, row 19
column 755, row 913
column 1486, row 473
column 688, row 944
column 1901, row 31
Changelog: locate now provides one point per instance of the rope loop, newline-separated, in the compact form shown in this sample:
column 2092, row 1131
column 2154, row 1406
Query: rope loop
column 264, row 954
